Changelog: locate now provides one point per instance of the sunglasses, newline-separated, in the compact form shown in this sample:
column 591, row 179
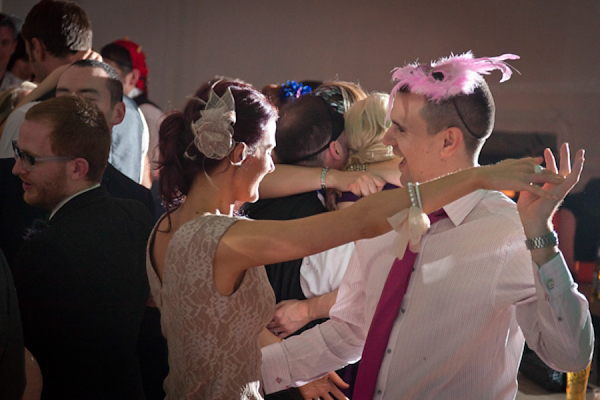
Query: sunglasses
column 29, row 161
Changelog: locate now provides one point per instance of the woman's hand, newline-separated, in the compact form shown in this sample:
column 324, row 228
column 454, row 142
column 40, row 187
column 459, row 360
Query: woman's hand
column 522, row 175
column 360, row 183
column 85, row 55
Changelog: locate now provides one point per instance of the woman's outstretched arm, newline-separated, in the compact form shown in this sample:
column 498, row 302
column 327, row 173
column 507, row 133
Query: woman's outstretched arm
column 288, row 180
column 252, row 243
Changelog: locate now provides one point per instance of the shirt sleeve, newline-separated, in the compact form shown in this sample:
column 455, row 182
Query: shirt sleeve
column 556, row 320
column 322, row 273
column 326, row 347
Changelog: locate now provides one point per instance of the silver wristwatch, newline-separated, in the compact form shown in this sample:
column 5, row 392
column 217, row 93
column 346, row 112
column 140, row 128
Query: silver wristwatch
column 548, row 240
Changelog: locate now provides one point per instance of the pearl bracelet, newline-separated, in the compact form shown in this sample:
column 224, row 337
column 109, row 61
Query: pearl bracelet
column 415, row 195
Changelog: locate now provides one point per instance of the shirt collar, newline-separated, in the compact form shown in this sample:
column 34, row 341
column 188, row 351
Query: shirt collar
column 459, row 209
column 134, row 92
column 65, row 201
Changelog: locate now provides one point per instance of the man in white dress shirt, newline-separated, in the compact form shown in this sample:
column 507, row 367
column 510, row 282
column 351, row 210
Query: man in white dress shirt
column 476, row 292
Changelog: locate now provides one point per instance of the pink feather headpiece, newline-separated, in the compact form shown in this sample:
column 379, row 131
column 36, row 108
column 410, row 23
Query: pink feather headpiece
column 449, row 76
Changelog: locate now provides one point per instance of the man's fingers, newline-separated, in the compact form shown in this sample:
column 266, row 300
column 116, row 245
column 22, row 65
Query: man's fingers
column 563, row 184
column 335, row 378
column 550, row 161
column 538, row 191
column 579, row 160
column 573, row 177
column 565, row 160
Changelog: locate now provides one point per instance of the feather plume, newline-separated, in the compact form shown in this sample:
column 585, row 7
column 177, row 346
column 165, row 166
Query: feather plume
column 449, row 76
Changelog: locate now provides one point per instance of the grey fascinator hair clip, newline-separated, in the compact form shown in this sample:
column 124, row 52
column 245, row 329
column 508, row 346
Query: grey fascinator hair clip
column 213, row 131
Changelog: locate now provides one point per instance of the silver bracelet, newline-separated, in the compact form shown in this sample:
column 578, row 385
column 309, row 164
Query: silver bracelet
column 357, row 167
column 323, row 173
column 548, row 240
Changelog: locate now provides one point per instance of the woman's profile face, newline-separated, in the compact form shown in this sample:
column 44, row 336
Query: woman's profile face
column 257, row 165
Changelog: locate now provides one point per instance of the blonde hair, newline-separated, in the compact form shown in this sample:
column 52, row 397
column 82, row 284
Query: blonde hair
column 352, row 92
column 365, row 126
column 10, row 97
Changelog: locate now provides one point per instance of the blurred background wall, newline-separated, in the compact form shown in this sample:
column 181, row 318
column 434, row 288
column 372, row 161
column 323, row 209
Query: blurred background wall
column 269, row 41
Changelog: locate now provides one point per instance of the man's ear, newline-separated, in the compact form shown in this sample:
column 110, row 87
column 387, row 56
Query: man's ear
column 238, row 154
column 133, row 77
column 336, row 150
column 37, row 49
column 452, row 141
column 79, row 170
column 118, row 113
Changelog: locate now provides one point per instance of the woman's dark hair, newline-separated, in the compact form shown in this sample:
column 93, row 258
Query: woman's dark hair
column 253, row 111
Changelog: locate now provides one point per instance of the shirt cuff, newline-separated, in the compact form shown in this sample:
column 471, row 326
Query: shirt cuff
column 275, row 371
column 555, row 276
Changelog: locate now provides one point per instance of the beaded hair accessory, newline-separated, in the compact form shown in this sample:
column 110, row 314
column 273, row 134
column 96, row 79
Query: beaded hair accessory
column 213, row 131
column 449, row 76
column 293, row 90
column 335, row 96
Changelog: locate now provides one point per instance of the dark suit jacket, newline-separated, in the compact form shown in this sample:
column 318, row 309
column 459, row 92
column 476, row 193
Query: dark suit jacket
column 12, row 362
column 16, row 216
column 82, row 289
column 121, row 187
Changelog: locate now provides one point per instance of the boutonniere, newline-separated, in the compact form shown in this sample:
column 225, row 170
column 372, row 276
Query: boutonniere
column 37, row 226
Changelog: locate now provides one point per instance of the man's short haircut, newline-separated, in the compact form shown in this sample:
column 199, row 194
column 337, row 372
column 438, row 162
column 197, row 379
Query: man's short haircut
column 113, row 82
column 79, row 130
column 119, row 55
column 8, row 21
column 473, row 114
column 304, row 130
column 63, row 27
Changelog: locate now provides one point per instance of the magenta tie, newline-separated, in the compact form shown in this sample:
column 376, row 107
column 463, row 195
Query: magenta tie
column 383, row 321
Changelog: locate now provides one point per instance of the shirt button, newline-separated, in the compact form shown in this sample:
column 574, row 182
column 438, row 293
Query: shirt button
column 550, row 284
column 402, row 310
column 379, row 391
column 388, row 351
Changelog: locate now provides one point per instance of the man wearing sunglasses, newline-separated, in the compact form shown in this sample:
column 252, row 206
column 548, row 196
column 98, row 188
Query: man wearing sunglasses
column 81, row 280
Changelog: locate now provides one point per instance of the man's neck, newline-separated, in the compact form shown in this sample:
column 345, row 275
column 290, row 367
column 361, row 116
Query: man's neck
column 50, row 64
column 454, row 165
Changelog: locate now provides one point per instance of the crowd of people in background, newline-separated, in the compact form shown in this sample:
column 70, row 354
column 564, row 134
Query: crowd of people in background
column 311, row 240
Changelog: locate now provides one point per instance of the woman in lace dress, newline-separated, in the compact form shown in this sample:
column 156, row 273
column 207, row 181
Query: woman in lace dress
column 205, row 264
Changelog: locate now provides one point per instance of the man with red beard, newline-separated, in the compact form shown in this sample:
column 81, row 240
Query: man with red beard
column 81, row 280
